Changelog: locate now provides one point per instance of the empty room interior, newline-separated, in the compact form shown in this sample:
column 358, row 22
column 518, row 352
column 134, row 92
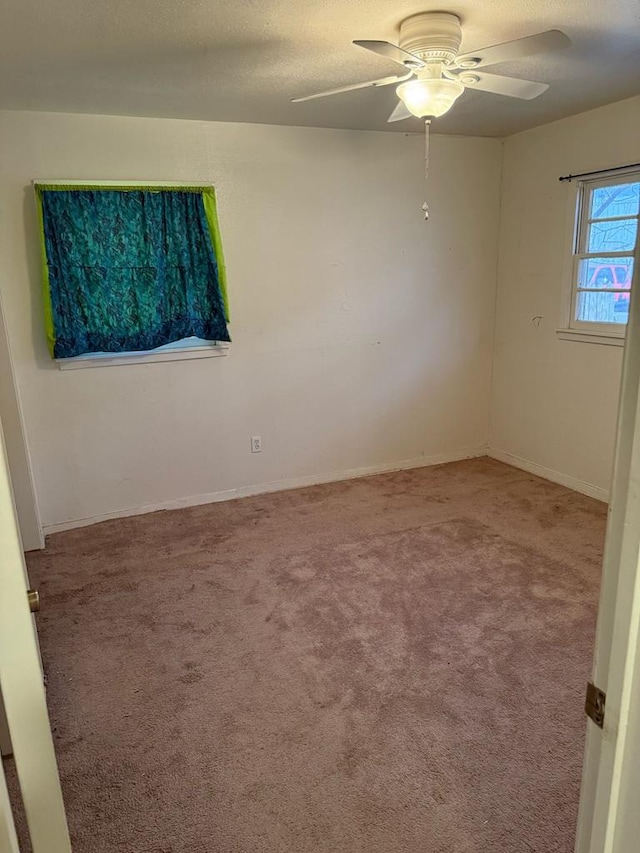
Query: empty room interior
column 311, row 340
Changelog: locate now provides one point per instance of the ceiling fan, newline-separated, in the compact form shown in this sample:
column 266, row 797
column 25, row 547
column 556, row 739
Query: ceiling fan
column 436, row 75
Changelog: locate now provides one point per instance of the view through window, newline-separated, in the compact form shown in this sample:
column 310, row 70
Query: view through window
column 606, row 240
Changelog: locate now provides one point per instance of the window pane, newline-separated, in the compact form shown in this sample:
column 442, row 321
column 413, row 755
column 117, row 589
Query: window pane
column 602, row 307
column 618, row 200
column 617, row 236
column 607, row 273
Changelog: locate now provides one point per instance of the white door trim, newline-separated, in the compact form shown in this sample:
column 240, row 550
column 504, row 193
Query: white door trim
column 23, row 689
column 8, row 839
column 17, row 446
column 601, row 821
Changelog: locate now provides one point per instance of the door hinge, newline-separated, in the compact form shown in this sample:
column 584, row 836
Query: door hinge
column 594, row 705
column 33, row 597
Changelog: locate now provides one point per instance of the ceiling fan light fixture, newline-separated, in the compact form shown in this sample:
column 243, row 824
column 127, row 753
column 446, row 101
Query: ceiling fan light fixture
column 429, row 98
column 471, row 62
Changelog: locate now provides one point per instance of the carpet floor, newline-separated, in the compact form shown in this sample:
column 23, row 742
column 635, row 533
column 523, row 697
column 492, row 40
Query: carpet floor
column 394, row 664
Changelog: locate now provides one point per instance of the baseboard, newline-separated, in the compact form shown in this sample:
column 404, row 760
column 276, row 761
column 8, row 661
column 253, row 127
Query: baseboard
column 550, row 474
column 267, row 488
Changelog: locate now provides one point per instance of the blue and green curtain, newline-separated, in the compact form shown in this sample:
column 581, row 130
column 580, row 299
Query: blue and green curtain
column 130, row 268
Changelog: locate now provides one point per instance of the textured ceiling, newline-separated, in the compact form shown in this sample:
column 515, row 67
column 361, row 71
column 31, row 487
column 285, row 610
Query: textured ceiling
column 242, row 60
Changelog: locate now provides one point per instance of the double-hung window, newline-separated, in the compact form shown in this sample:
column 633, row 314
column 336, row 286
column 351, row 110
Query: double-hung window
column 605, row 236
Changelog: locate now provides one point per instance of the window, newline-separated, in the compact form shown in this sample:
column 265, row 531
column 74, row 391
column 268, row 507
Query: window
column 606, row 231
column 131, row 273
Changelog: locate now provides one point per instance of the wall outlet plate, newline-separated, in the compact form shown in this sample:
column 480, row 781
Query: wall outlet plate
column 256, row 444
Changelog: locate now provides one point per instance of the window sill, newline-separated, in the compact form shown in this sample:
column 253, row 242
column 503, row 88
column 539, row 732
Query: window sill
column 590, row 337
column 113, row 360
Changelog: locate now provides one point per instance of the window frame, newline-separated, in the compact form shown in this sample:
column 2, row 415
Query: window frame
column 176, row 351
column 576, row 243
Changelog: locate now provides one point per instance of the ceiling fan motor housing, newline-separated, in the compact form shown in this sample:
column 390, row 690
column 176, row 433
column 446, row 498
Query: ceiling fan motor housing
column 433, row 36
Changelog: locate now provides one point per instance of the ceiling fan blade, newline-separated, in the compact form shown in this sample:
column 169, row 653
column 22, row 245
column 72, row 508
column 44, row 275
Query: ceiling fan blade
column 384, row 81
column 499, row 85
column 518, row 49
column 400, row 113
column 392, row 51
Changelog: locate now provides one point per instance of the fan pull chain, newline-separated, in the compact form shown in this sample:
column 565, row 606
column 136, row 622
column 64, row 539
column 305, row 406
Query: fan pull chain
column 425, row 206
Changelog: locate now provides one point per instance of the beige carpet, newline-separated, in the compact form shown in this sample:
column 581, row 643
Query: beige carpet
column 389, row 665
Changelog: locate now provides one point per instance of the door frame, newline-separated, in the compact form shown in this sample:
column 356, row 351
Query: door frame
column 603, row 819
column 17, row 447
column 23, row 691
column 8, row 837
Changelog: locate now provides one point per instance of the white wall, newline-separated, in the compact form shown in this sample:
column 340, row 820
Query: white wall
column 362, row 336
column 554, row 402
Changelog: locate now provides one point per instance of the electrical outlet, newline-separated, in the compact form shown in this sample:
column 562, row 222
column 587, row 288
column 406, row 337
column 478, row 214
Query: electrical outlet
column 256, row 444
